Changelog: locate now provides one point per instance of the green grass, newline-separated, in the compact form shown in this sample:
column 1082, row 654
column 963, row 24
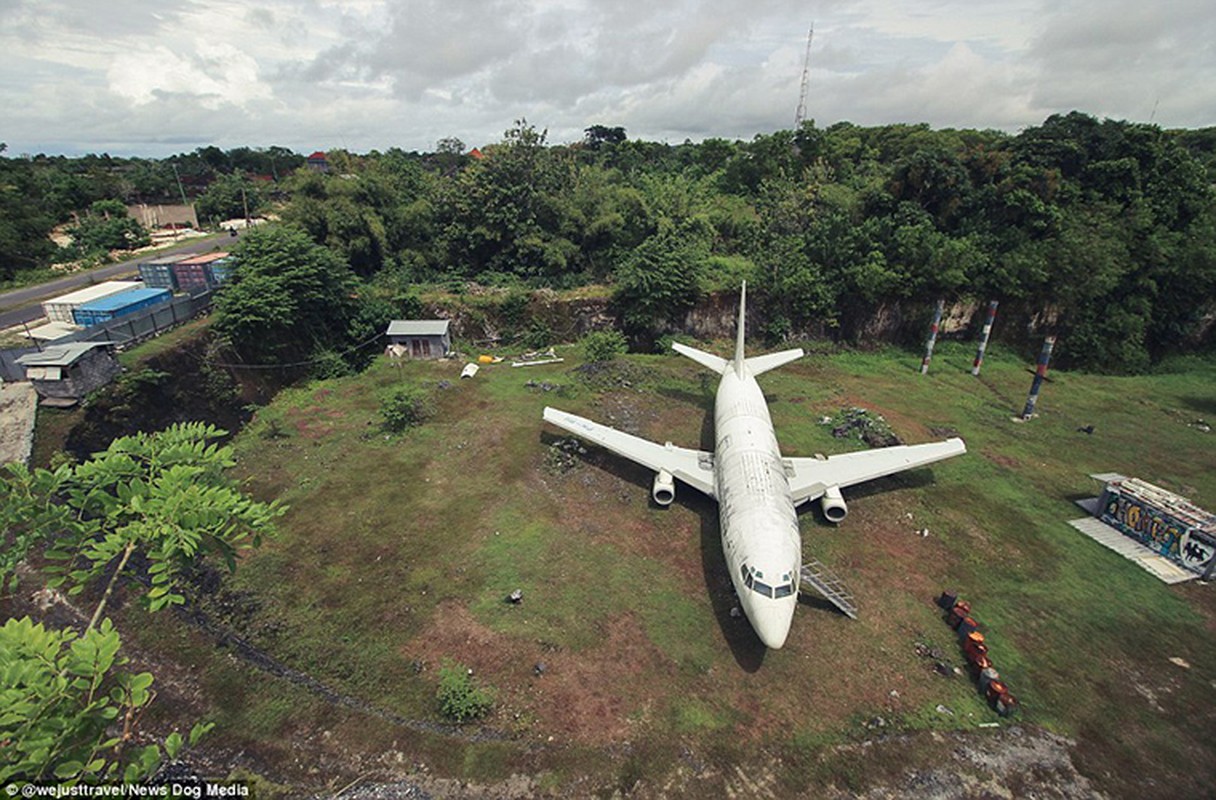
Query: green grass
column 399, row 550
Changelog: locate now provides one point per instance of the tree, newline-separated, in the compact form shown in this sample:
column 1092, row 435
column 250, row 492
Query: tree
column 229, row 197
column 599, row 135
column 159, row 500
column 661, row 278
column 63, row 697
column 107, row 226
column 287, row 298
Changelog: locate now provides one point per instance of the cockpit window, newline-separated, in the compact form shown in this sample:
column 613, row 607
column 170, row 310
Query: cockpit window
column 751, row 579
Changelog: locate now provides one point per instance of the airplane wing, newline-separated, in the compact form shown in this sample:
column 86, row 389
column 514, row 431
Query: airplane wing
column 813, row 476
column 693, row 467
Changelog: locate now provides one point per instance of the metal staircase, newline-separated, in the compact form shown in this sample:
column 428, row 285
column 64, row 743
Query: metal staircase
column 815, row 574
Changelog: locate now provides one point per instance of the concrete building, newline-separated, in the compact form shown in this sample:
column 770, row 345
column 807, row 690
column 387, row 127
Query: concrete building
column 64, row 373
column 424, row 338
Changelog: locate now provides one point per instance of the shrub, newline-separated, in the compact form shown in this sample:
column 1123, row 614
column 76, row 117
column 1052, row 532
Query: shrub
column 406, row 408
column 460, row 697
column 604, row 345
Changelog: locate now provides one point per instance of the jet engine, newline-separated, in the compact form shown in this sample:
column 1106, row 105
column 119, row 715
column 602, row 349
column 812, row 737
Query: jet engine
column 834, row 507
column 664, row 491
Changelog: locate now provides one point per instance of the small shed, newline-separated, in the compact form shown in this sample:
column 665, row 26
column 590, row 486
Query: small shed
column 421, row 338
column 68, row 372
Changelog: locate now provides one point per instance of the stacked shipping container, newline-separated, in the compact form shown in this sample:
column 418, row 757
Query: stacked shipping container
column 114, row 306
column 200, row 273
column 62, row 308
column 158, row 273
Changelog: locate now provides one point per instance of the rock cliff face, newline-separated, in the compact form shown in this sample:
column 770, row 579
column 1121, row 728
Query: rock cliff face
column 488, row 317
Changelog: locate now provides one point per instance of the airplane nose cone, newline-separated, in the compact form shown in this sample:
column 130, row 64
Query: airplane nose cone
column 772, row 624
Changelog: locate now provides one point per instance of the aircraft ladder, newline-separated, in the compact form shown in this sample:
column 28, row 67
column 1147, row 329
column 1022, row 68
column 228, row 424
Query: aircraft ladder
column 815, row 574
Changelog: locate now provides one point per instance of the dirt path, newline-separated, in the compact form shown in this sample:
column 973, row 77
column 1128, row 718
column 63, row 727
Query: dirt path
column 18, row 404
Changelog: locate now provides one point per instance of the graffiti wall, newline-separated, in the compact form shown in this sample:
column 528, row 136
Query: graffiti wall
column 1162, row 532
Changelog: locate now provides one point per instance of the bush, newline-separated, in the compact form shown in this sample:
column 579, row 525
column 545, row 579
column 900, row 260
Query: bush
column 406, row 408
column 604, row 345
column 460, row 697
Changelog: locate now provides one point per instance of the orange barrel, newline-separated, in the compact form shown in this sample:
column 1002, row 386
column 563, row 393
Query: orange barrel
column 995, row 689
column 968, row 625
column 1006, row 704
column 957, row 614
column 981, row 663
column 973, row 650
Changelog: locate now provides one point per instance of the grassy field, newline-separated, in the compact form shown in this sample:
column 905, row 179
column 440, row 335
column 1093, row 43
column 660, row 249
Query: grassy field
column 398, row 552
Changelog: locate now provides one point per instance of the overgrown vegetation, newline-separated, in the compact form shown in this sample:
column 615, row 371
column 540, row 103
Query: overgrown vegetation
column 600, row 346
column 150, row 506
column 1103, row 229
column 461, row 698
column 405, row 408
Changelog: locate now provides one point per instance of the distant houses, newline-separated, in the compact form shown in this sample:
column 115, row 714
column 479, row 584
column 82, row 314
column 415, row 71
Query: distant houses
column 317, row 162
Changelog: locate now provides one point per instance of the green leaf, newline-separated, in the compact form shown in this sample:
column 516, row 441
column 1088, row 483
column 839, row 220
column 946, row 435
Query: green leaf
column 173, row 744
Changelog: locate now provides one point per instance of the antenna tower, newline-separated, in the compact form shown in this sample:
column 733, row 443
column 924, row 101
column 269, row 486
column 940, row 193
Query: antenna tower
column 800, row 114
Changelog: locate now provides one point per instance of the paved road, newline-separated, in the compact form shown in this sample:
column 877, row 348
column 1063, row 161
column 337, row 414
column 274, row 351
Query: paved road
column 21, row 305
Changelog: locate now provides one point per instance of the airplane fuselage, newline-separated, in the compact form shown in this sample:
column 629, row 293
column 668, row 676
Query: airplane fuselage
column 760, row 536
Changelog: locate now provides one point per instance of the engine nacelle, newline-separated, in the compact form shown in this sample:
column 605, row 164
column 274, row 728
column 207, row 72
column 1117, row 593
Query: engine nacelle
column 664, row 491
column 834, row 507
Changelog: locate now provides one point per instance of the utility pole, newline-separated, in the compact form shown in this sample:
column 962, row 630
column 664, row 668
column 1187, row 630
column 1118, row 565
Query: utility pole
column 800, row 114
column 179, row 184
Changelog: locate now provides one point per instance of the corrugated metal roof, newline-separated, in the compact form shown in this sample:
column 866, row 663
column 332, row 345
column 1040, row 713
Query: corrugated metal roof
column 117, row 301
column 418, row 327
column 165, row 260
column 58, row 355
column 98, row 291
column 206, row 258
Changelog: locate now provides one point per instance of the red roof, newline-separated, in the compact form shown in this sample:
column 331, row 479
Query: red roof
column 317, row 156
column 476, row 153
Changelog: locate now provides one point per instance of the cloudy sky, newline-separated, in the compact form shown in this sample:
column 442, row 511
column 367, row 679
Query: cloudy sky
column 131, row 77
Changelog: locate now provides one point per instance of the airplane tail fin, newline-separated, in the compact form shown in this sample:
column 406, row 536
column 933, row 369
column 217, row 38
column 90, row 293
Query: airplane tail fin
column 756, row 365
column 740, row 360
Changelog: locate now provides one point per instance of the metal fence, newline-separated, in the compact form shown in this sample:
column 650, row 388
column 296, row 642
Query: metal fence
column 124, row 331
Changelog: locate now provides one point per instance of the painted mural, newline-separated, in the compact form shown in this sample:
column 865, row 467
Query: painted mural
column 1159, row 531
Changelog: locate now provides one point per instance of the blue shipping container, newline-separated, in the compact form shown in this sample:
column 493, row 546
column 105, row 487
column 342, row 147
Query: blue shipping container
column 114, row 306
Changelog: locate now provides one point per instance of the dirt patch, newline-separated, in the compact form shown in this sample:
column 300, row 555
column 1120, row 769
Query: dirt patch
column 548, row 692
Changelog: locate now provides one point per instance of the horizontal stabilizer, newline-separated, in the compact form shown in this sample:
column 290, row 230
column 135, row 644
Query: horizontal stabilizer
column 758, row 365
column 707, row 360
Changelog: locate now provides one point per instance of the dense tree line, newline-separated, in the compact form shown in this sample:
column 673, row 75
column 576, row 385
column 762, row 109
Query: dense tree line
column 1107, row 227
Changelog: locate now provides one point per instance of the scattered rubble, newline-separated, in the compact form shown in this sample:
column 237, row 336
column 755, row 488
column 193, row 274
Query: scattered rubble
column 859, row 423
column 563, row 456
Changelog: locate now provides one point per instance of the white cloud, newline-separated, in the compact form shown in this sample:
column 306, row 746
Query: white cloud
column 362, row 74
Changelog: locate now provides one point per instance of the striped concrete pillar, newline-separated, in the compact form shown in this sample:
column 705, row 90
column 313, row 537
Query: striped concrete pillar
column 1039, row 373
column 937, row 321
column 984, row 334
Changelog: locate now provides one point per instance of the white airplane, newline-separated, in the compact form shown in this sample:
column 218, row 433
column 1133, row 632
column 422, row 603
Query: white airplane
column 756, row 488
